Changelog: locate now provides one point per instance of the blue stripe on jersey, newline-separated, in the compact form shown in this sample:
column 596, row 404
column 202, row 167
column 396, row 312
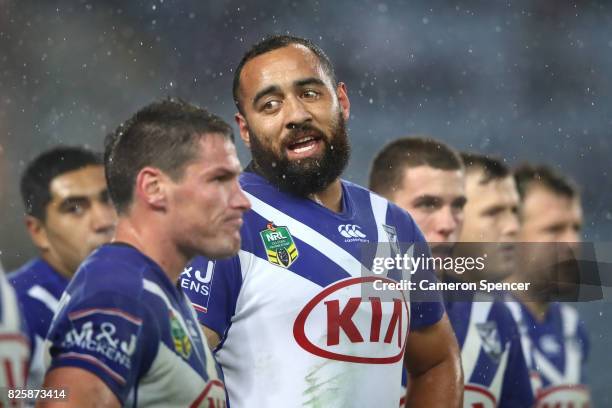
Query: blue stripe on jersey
column 494, row 334
column 215, row 301
column 550, row 339
column 303, row 269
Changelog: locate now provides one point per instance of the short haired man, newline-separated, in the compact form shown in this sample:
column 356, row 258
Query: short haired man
column 294, row 290
column 124, row 333
column 551, row 222
column 68, row 215
column 427, row 178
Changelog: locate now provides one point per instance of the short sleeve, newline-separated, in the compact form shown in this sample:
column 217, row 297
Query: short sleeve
column 111, row 335
column 426, row 307
column 213, row 288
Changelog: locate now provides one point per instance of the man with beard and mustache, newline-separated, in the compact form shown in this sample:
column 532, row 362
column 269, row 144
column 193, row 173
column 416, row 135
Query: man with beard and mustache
column 287, row 316
column 551, row 223
column 427, row 178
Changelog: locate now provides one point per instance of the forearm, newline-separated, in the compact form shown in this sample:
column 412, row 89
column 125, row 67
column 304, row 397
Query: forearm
column 440, row 386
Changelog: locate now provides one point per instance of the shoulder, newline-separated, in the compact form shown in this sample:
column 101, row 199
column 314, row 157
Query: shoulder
column 25, row 271
column 111, row 268
column 35, row 271
column 362, row 196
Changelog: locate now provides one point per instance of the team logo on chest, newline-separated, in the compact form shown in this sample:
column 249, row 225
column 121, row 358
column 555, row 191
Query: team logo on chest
column 182, row 344
column 491, row 343
column 280, row 248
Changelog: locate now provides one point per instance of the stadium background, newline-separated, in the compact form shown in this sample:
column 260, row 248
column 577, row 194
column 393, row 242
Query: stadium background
column 522, row 79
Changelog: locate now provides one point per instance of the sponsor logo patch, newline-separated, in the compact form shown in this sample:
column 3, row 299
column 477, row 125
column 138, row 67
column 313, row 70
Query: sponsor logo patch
column 279, row 244
column 352, row 233
column 182, row 344
column 339, row 324
column 392, row 235
column 564, row 396
column 478, row 396
column 194, row 280
column 102, row 339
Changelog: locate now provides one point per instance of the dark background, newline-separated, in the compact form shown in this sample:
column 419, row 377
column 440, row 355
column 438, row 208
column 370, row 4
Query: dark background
column 526, row 80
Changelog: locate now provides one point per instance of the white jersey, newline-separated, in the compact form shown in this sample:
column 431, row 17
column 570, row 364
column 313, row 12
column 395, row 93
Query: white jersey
column 14, row 344
column 295, row 328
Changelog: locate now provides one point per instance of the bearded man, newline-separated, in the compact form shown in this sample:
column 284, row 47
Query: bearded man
column 287, row 315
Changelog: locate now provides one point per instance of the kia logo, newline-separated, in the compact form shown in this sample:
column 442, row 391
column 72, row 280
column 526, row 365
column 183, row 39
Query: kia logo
column 476, row 396
column 564, row 396
column 369, row 326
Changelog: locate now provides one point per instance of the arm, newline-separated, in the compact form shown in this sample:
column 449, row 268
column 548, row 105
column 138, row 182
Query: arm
column 433, row 362
column 211, row 336
column 83, row 388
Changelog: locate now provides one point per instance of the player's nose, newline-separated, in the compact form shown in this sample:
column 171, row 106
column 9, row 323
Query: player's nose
column 103, row 218
column 447, row 222
column 239, row 199
column 511, row 226
column 296, row 112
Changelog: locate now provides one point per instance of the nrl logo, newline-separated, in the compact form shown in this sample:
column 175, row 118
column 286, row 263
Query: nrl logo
column 280, row 248
column 181, row 341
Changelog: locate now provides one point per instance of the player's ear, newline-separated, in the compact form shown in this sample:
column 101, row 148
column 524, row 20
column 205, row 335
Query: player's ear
column 38, row 233
column 343, row 99
column 244, row 129
column 151, row 187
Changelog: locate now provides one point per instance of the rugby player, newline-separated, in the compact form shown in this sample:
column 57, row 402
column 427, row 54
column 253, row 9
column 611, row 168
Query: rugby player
column 427, row 178
column 551, row 223
column 125, row 334
column 14, row 344
column 68, row 215
column 286, row 316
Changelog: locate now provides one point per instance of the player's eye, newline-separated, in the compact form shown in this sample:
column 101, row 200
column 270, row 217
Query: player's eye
column 271, row 105
column 459, row 204
column 310, row 94
column 428, row 204
column 74, row 207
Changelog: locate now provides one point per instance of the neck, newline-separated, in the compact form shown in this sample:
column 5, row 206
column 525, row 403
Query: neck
column 538, row 308
column 149, row 239
column 331, row 197
column 57, row 265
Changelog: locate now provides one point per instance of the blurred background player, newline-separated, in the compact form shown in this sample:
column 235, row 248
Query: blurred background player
column 295, row 290
column 428, row 179
column 551, row 222
column 68, row 215
column 125, row 334
column 14, row 344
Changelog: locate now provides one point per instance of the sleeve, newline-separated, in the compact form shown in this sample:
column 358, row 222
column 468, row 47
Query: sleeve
column 516, row 391
column 426, row 307
column 213, row 288
column 111, row 335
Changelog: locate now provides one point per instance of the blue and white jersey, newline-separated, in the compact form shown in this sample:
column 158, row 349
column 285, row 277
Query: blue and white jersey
column 123, row 320
column 492, row 356
column 295, row 330
column 558, row 349
column 14, row 344
column 39, row 288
